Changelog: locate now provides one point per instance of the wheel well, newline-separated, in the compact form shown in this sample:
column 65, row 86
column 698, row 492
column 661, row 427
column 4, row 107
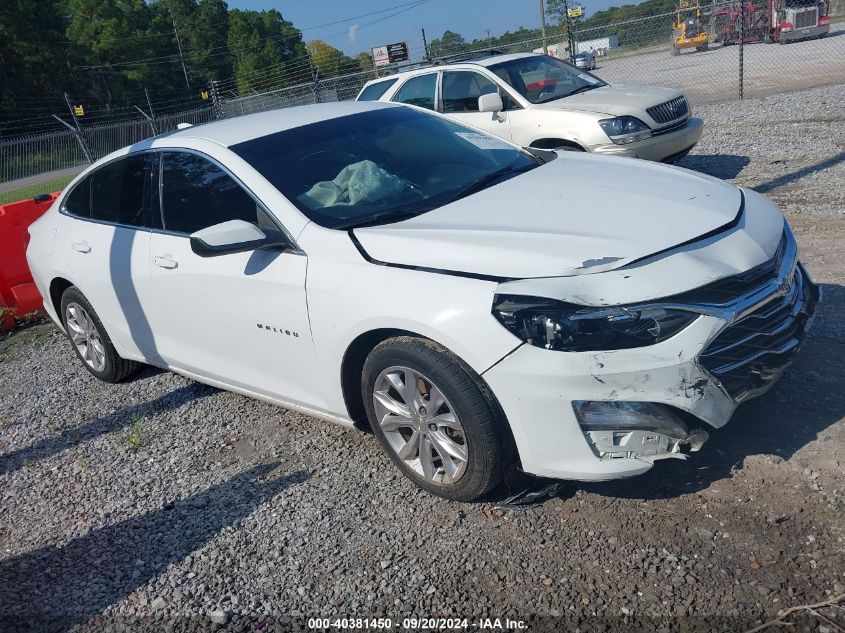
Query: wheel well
column 553, row 143
column 352, row 366
column 57, row 289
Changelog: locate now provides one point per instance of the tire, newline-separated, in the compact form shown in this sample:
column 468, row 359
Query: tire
column 90, row 341
column 465, row 414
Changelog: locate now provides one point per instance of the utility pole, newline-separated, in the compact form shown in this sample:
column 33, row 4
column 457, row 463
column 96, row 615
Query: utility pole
column 742, row 18
column 488, row 37
column 425, row 46
column 179, row 46
column 570, row 38
column 543, row 26
column 216, row 105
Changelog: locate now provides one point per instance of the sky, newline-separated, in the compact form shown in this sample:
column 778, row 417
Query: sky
column 397, row 23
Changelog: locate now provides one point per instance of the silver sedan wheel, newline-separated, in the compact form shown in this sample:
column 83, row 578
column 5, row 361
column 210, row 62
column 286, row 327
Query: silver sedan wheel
column 84, row 335
column 420, row 425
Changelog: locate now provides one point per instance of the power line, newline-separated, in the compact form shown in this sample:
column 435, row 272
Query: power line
column 228, row 50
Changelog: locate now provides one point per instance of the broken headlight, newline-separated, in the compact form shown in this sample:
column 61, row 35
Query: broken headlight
column 571, row 328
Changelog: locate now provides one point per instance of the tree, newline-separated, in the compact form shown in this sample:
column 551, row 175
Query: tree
column 449, row 44
column 207, row 39
column 267, row 50
column 365, row 61
column 30, row 65
column 103, row 31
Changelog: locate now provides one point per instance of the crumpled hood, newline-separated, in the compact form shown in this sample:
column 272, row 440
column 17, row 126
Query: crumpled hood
column 577, row 214
column 617, row 100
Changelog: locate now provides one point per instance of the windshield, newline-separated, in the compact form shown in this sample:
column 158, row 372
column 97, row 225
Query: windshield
column 540, row 78
column 380, row 166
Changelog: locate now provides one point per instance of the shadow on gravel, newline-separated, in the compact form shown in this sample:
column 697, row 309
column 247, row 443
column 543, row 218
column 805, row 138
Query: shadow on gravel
column 116, row 421
column 724, row 166
column 807, row 400
column 56, row 588
column 798, row 174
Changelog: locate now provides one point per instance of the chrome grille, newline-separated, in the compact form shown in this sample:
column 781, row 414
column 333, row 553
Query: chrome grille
column 805, row 18
column 668, row 111
column 749, row 355
column 727, row 289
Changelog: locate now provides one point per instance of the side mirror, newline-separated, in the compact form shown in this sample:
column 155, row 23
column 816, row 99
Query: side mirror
column 234, row 236
column 490, row 103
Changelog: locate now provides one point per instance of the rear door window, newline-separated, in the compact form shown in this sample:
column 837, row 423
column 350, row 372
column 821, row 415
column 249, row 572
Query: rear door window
column 376, row 91
column 418, row 91
column 118, row 191
column 78, row 201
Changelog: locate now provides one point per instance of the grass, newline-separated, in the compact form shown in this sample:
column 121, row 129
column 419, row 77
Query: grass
column 16, row 341
column 30, row 191
column 135, row 437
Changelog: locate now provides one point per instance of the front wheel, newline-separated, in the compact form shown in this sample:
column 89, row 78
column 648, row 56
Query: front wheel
column 436, row 419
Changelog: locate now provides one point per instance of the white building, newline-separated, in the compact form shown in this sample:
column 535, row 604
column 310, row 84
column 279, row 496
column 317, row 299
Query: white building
column 559, row 50
column 600, row 45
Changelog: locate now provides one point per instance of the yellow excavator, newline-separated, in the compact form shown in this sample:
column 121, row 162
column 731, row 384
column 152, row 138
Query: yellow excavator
column 687, row 30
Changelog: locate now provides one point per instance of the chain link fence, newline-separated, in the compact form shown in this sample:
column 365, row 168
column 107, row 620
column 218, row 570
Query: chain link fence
column 713, row 52
column 40, row 163
column 343, row 88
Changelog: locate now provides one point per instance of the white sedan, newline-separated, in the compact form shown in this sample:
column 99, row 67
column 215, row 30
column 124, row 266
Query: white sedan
column 479, row 306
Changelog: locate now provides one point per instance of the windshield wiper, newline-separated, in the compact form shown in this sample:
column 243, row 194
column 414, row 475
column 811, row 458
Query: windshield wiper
column 383, row 217
column 583, row 89
column 486, row 181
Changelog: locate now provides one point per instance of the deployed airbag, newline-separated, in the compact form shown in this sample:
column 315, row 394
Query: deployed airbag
column 361, row 182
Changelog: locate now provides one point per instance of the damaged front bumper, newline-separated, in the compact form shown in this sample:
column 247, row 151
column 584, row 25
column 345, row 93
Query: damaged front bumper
column 643, row 430
column 610, row 414
column 660, row 146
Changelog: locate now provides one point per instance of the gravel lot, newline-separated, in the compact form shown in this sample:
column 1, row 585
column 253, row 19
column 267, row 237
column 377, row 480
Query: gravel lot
column 162, row 503
column 713, row 75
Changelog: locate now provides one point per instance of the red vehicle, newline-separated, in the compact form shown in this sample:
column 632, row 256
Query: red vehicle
column 777, row 21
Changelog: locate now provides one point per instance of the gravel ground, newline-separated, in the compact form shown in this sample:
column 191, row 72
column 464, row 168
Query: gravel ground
column 162, row 503
column 713, row 75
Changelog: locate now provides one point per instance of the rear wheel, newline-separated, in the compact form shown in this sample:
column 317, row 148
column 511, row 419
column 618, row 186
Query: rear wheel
column 435, row 418
column 90, row 340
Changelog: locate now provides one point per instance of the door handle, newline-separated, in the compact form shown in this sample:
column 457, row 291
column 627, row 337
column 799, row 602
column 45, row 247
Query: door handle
column 82, row 247
column 165, row 261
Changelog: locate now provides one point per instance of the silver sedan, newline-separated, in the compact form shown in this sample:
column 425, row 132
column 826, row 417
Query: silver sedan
column 587, row 61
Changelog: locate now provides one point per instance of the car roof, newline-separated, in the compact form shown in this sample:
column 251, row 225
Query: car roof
column 243, row 128
column 484, row 60
column 498, row 59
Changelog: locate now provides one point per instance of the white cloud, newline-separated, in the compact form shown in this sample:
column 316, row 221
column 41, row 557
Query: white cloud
column 352, row 34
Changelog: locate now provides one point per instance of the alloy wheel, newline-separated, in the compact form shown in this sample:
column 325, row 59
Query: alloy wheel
column 85, row 336
column 420, row 425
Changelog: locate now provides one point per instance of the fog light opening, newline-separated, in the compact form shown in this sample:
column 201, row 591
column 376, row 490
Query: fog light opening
column 639, row 430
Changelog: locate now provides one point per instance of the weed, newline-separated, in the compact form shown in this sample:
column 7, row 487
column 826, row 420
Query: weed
column 135, row 437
